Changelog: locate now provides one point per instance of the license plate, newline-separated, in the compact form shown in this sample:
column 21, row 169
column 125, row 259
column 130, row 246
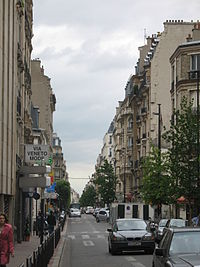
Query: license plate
column 134, row 243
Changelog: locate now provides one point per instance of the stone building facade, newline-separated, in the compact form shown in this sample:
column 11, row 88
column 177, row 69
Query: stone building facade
column 15, row 98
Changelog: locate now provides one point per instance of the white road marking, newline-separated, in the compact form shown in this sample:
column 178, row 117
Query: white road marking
column 71, row 236
column 101, row 236
column 85, row 236
column 137, row 264
column 130, row 258
column 88, row 243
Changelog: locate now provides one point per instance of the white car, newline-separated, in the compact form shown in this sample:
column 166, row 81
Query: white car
column 74, row 213
column 102, row 215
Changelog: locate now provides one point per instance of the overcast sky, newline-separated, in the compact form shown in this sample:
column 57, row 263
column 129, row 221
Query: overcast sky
column 89, row 49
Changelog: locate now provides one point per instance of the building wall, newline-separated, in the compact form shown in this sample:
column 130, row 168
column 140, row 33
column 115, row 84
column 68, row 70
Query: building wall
column 174, row 34
column 41, row 96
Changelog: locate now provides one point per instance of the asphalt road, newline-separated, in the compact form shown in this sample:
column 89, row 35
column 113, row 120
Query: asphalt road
column 86, row 246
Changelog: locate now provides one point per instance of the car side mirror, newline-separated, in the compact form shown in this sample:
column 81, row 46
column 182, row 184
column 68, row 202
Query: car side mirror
column 160, row 252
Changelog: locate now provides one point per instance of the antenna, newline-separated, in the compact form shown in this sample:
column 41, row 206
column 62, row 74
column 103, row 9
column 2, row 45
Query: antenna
column 145, row 35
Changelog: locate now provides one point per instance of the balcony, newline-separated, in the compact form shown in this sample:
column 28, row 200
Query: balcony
column 20, row 63
column 129, row 129
column 144, row 136
column 138, row 141
column 127, row 111
column 118, row 131
column 136, row 164
column 138, row 119
column 143, row 110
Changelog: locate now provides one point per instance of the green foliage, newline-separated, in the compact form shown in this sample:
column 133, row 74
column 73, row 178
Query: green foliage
column 183, row 153
column 106, row 181
column 63, row 189
column 88, row 197
column 157, row 187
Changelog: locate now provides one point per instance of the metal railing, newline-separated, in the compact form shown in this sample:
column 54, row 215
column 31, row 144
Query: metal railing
column 42, row 255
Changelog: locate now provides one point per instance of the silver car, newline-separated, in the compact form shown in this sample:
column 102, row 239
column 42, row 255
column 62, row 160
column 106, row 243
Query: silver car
column 102, row 215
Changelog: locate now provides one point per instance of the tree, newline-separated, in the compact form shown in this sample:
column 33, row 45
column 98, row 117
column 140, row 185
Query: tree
column 63, row 189
column 157, row 185
column 88, row 197
column 106, row 182
column 183, row 153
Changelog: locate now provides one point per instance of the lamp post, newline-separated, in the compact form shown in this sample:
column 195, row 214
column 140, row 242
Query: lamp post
column 124, row 174
column 159, row 146
column 124, row 178
column 159, row 126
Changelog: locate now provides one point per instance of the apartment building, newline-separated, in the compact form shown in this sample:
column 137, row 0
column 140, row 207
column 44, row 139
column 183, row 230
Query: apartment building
column 15, row 98
column 59, row 164
column 147, row 104
column 44, row 98
column 185, row 69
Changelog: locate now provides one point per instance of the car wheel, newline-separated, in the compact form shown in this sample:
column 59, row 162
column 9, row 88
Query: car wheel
column 112, row 251
column 97, row 220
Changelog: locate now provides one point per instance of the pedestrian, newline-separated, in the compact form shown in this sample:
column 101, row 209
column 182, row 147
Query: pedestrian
column 6, row 241
column 39, row 224
column 51, row 219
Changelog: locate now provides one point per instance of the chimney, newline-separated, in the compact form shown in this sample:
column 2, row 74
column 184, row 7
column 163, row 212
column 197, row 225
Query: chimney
column 196, row 32
column 189, row 38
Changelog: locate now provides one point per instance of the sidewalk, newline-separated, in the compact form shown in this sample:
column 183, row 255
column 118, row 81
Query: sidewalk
column 23, row 250
column 26, row 248
column 55, row 260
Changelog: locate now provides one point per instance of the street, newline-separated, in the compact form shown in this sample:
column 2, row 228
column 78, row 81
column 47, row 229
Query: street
column 86, row 246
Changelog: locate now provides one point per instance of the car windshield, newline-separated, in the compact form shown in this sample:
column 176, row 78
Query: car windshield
column 162, row 223
column 131, row 225
column 185, row 242
column 177, row 223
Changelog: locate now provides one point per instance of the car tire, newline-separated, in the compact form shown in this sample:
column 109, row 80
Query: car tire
column 111, row 250
column 97, row 220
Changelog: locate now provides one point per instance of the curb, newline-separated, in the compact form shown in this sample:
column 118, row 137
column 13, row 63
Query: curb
column 55, row 260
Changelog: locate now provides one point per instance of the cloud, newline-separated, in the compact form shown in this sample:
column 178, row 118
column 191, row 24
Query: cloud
column 89, row 49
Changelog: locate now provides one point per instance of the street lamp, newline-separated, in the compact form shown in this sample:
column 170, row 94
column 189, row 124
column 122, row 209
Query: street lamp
column 159, row 145
column 124, row 174
column 159, row 126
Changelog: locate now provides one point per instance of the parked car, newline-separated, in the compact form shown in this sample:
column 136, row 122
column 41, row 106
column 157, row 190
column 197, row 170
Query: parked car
column 89, row 210
column 174, row 223
column 62, row 215
column 129, row 235
column 159, row 230
column 178, row 247
column 102, row 215
column 74, row 213
column 96, row 210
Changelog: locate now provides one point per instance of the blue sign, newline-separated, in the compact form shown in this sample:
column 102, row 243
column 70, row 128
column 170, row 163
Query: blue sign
column 51, row 188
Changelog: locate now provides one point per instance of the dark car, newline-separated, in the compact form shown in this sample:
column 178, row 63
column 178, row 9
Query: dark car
column 130, row 235
column 178, row 247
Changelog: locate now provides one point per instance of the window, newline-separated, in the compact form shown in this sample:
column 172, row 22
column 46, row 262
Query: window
column 195, row 62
